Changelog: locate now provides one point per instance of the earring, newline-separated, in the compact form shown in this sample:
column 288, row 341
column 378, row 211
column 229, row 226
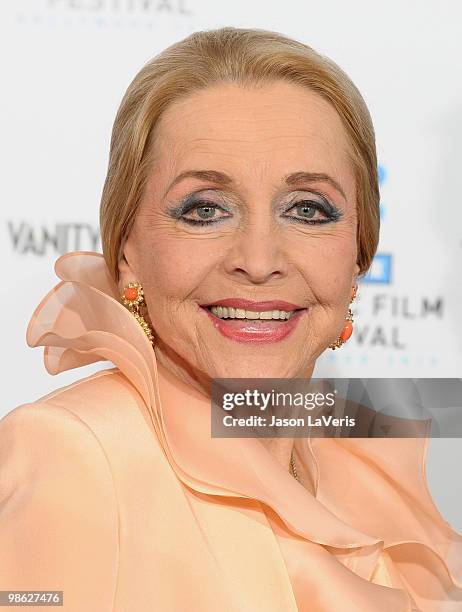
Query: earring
column 132, row 298
column 348, row 327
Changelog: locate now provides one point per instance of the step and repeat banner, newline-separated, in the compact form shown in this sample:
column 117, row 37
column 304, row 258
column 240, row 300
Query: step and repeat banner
column 65, row 67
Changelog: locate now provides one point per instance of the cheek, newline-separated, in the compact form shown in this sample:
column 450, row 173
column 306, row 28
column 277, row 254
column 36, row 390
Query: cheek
column 173, row 268
column 327, row 262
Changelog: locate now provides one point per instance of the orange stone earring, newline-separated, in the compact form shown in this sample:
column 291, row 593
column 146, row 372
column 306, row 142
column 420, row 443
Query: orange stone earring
column 348, row 327
column 132, row 298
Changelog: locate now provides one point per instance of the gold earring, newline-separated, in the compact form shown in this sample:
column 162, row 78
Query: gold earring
column 132, row 298
column 348, row 327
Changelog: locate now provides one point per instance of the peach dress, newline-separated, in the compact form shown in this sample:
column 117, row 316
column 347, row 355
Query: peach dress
column 113, row 491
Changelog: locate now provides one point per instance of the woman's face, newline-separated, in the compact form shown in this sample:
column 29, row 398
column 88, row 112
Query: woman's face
column 251, row 196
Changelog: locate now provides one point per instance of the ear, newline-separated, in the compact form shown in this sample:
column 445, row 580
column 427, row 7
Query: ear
column 126, row 267
column 354, row 280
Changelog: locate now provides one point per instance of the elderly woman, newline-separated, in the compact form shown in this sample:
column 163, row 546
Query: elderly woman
column 240, row 208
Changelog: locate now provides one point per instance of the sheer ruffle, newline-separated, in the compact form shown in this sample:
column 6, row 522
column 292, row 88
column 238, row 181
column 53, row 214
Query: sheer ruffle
column 372, row 504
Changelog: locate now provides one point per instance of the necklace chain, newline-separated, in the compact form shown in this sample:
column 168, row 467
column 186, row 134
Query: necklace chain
column 293, row 469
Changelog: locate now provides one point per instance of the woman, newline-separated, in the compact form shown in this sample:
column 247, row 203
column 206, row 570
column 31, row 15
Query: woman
column 242, row 184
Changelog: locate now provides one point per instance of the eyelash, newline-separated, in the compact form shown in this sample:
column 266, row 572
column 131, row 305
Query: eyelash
column 332, row 215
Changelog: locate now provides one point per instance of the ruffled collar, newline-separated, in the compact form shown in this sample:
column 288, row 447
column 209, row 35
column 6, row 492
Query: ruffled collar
column 369, row 492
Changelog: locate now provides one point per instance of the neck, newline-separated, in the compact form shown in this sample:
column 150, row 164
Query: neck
column 280, row 447
column 183, row 371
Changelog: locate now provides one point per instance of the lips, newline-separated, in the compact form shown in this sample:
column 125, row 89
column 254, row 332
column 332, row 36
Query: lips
column 252, row 331
column 254, row 306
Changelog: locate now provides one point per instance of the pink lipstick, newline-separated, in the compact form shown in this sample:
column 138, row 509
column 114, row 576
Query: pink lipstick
column 253, row 330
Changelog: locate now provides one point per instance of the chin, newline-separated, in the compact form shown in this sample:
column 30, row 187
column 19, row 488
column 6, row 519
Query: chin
column 258, row 368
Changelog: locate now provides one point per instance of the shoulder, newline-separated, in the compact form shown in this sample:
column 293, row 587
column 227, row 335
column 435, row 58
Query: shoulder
column 95, row 428
column 103, row 388
column 58, row 505
column 61, row 437
column 49, row 448
column 94, row 406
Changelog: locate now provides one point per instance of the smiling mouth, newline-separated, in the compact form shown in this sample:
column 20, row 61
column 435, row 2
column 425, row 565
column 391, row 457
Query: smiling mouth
column 231, row 314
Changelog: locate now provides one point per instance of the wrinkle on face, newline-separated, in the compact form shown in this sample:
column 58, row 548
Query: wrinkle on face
column 256, row 136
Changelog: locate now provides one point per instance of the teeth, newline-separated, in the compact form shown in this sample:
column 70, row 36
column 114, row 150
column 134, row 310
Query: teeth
column 223, row 312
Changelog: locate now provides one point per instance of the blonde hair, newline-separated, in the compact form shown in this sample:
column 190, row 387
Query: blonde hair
column 246, row 57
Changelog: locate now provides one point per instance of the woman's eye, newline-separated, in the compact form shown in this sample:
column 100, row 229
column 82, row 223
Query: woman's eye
column 209, row 213
column 203, row 214
column 306, row 211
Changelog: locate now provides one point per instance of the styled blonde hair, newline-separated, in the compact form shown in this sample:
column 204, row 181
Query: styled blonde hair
column 246, row 57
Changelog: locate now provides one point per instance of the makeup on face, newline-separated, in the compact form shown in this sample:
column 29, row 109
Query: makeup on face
column 246, row 232
column 249, row 321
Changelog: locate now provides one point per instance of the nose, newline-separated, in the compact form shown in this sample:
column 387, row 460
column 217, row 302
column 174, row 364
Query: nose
column 257, row 255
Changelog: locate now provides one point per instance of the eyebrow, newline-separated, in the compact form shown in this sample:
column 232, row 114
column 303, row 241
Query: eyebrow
column 294, row 179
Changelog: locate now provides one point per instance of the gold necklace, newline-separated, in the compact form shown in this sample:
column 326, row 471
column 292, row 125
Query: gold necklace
column 292, row 466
